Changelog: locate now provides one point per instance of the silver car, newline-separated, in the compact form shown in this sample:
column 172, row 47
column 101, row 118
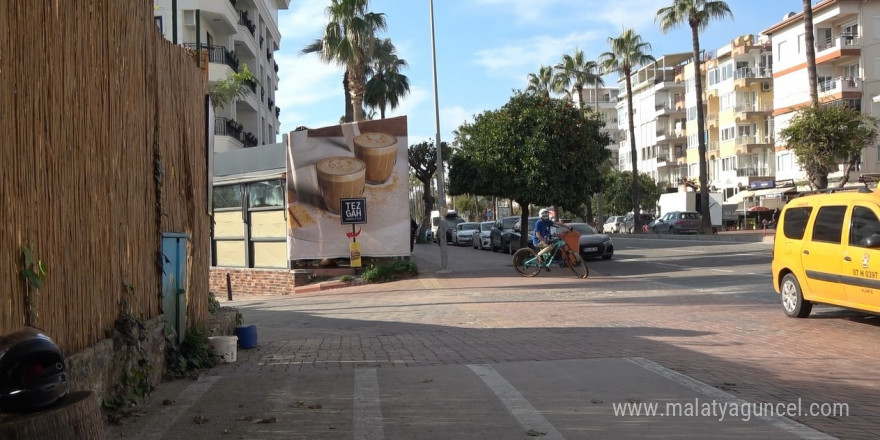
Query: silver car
column 613, row 224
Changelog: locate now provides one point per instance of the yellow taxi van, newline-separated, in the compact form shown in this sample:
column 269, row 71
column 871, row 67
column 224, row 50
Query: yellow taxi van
column 827, row 250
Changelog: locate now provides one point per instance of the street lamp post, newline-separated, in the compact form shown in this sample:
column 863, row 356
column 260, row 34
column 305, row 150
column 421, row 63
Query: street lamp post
column 441, row 193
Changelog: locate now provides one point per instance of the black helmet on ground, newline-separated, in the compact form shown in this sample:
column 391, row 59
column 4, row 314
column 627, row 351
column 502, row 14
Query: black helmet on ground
column 32, row 372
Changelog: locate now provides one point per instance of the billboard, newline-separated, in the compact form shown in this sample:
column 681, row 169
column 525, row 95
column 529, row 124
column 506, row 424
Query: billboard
column 331, row 165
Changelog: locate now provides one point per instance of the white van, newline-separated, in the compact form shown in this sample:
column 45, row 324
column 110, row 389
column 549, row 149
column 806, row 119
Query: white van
column 435, row 222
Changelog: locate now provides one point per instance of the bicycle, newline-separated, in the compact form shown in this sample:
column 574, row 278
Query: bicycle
column 527, row 263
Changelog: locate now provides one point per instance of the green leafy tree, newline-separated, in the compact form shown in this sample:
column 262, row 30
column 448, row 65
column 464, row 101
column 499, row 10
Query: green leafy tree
column 541, row 83
column 697, row 14
column 233, row 88
column 534, row 150
column 627, row 52
column 386, row 84
column 423, row 162
column 824, row 137
column 348, row 41
column 618, row 192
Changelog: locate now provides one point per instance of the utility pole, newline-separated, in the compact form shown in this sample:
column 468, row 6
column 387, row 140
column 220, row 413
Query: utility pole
column 441, row 193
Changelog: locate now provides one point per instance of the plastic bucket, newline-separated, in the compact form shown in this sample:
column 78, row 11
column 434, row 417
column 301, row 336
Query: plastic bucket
column 247, row 336
column 223, row 347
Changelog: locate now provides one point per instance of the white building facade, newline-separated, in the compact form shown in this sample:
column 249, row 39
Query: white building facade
column 847, row 40
column 234, row 33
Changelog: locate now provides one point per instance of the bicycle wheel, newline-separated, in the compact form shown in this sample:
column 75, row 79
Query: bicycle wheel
column 525, row 261
column 577, row 264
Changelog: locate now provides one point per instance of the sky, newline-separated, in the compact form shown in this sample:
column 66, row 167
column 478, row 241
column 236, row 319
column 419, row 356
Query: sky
column 485, row 50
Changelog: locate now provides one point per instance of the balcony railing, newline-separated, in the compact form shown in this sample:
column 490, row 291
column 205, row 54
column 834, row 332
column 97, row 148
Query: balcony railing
column 747, row 172
column 277, row 112
column 842, row 41
column 662, row 158
column 752, row 72
column 227, row 127
column 246, row 22
column 753, row 107
column 840, row 84
column 217, row 55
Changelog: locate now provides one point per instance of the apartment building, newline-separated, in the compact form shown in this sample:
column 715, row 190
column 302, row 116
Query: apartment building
column 234, row 33
column 738, row 100
column 604, row 100
column 659, row 117
column 847, row 33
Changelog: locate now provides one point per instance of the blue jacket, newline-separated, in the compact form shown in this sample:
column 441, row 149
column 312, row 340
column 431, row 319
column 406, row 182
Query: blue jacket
column 544, row 228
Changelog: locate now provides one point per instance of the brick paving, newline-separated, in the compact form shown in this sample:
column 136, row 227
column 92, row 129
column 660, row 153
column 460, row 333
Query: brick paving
column 741, row 346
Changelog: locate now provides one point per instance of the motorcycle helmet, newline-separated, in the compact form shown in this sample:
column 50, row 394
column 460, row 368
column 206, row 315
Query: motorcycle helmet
column 545, row 214
column 32, row 372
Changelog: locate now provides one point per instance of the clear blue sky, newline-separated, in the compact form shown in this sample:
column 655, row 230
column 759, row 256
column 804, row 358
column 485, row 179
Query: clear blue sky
column 485, row 50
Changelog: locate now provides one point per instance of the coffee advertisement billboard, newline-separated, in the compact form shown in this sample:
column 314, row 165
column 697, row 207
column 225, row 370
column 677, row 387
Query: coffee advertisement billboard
column 366, row 160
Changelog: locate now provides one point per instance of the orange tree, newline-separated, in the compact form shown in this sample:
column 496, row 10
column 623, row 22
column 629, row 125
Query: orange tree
column 535, row 150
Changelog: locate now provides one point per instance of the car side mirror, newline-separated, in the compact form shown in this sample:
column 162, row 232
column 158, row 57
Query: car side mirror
column 873, row 241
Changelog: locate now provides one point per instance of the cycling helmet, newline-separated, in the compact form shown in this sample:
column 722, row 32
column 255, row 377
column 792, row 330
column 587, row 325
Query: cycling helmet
column 545, row 214
column 32, row 373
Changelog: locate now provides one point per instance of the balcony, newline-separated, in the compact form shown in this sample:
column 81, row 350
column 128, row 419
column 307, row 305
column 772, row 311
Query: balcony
column 839, row 86
column 712, row 120
column 233, row 131
column 751, row 109
column 217, row 55
column 746, row 76
column 750, row 143
column 713, row 147
column 840, row 46
column 244, row 20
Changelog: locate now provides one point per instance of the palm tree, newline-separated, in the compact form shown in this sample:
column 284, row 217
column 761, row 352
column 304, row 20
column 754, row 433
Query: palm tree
column 348, row 41
column 541, row 84
column 697, row 14
column 627, row 52
column 386, row 84
column 810, row 41
column 573, row 73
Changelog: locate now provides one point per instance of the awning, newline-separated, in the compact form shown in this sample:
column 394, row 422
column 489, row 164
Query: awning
column 738, row 197
column 775, row 191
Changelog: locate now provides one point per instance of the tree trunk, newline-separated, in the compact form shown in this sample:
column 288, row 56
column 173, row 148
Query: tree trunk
column 76, row 417
column 429, row 206
column 701, row 135
column 636, row 189
column 358, row 86
column 349, row 117
column 810, row 42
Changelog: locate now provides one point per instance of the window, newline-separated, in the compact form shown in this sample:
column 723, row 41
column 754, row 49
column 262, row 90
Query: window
column 692, row 113
column 828, row 226
column 712, row 76
column 863, row 225
column 728, row 163
column 265, row 194
column 794, row 222
column 851, row 71
column 227, row 196
column 851, row 30
column 727, row 101
column 800, row 44
column 780, row 49
column 159, row 24
column 727, row 71
column 728, row 133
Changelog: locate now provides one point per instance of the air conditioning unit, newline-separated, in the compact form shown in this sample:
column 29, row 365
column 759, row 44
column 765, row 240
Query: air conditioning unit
column 766, row 87
column 189, row 17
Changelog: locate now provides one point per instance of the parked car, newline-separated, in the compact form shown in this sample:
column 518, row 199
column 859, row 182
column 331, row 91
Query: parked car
column 450, row 226
column 481, row 236
column 499, row 237
column 592, row 244
column 513, row 243
column 677, row 222
column 613, row 224
column 629, row 221
column 463, row 234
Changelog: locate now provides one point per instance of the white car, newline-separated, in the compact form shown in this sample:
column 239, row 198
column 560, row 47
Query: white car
column 463, row 234
column 482, row 239
column 613, row 225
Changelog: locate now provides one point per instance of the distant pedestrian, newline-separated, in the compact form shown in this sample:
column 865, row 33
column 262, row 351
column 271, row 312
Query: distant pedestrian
column 413, row 231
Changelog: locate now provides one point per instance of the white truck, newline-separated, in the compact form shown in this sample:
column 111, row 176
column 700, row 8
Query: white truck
column 687, row 201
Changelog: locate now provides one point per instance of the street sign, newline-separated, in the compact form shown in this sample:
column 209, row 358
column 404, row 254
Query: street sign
column 353, row 211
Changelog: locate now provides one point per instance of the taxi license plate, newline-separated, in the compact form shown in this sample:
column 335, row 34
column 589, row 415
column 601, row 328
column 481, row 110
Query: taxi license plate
column 590, row 249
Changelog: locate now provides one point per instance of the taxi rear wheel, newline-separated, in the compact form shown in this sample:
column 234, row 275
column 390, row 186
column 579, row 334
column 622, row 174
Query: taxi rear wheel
column 793, row 302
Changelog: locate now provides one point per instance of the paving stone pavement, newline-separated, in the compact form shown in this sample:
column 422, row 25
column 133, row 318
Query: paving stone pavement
column 744, row 348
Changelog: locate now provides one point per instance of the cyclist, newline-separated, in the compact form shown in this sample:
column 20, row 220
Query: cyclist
column 541, row 240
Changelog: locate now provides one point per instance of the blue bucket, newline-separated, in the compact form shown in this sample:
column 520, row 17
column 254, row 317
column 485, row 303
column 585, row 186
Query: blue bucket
column 247, row 336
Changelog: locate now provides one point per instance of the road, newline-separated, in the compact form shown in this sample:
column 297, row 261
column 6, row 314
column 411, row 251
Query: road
column 483, row 353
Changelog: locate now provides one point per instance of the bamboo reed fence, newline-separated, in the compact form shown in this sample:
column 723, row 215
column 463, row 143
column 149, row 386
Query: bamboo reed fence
column 88, row 88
